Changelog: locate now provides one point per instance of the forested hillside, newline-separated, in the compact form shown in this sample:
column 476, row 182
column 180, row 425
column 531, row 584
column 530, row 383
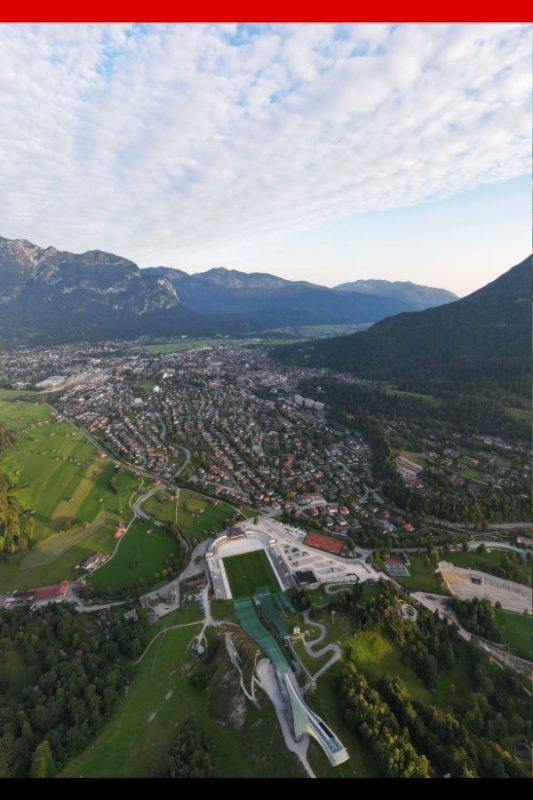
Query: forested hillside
column 483, row 340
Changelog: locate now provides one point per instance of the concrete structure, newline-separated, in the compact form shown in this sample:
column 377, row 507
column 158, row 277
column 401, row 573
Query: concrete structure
column 305, row 720
column 469, row 583
column 302, row 719
column 237, row 541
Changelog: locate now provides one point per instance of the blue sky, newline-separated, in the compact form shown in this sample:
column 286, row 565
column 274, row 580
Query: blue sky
column 316, row 152
column 459, row 243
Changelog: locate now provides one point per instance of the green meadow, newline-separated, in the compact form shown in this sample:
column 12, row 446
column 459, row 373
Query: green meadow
column 160, row 697
column 196, row 517
column 140, row 554
column 74, row 493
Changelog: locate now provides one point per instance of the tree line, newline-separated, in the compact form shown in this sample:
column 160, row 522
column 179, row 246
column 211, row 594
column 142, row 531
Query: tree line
column 474, row 736
column 77, row 674
column 15, row 521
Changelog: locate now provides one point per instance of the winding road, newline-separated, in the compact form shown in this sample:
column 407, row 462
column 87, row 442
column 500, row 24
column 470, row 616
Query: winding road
column 310, row 647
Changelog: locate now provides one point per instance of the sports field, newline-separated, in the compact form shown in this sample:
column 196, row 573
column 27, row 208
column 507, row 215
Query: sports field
column 249, row 571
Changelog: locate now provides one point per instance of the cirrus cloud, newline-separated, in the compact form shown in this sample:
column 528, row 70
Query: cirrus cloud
column 157, row 141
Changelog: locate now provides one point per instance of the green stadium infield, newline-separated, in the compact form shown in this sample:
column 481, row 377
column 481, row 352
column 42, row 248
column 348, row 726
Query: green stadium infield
column 247, row 572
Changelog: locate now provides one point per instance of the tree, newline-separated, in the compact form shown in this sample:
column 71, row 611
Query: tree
column 42, row 761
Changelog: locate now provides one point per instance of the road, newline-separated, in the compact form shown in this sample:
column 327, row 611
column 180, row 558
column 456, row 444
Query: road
column 439, row 603
column 163, row 437
column 137, row 506
column 311, row 647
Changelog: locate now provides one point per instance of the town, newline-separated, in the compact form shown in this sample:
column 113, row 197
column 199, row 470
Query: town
column 230, row 422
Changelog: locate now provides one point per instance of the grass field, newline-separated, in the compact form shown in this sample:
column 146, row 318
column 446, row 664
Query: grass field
column 249, row 571
column 197, row 517
column 455, row 686
column 58, row 473
column 429, row 398
column 141, row 554
column 59, row 476
column 487, row 562
column 160, row 697
column 516, row 632
column 223, row 609
column 327, row 704
column 188, row 612
column 15, row 394
column 422, row 576
column 376, row 655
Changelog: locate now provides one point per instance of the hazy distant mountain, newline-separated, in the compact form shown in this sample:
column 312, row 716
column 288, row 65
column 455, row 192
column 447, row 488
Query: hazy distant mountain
column 483, row 339
column 419, row 297
column 234, row 279
column 275, row 301
column 47, row 295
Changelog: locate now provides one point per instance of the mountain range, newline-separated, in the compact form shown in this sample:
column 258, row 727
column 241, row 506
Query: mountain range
column 419, row 297
column 483, row 340
column 52, row 296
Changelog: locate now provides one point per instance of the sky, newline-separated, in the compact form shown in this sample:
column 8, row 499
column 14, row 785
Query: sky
column 315, row 152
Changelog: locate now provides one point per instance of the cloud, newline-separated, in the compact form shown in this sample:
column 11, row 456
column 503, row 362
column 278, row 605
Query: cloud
column 156, row 141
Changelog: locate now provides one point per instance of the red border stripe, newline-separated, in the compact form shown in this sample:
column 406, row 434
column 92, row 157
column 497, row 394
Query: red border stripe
column 271, row 11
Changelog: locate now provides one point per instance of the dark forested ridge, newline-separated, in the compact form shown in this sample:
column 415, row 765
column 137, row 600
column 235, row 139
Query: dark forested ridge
column 481, row 340
column 274, row 301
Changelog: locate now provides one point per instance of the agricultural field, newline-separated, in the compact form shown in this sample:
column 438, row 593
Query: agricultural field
column 76, row 495
column 160, row 697
column 58, row 473
column 140, row 555
column 249, row 571
column 197, row 517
